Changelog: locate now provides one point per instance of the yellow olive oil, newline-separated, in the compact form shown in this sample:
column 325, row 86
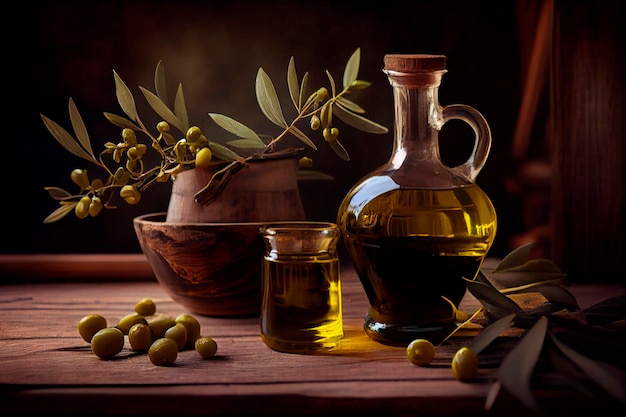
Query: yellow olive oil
column 411, row 249
column 302, row 310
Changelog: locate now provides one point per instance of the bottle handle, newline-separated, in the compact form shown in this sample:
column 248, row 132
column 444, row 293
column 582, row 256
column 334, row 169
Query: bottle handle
column 482, row 144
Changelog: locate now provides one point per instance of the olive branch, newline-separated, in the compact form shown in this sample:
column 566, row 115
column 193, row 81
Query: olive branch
column 124, row 162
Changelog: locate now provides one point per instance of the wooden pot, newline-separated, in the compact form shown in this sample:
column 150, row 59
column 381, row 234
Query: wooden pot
column 208, row 257
column 262, row 190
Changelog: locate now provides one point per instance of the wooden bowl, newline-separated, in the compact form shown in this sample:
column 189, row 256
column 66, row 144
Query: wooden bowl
column 211, row 269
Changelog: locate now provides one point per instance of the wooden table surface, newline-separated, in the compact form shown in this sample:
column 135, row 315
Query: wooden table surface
column 46, row 367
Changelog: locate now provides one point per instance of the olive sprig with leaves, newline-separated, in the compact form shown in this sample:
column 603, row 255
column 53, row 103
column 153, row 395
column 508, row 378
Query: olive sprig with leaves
column 125, row 161
column 580, row 348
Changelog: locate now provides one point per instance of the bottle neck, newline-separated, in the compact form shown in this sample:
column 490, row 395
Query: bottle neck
column 418, row 118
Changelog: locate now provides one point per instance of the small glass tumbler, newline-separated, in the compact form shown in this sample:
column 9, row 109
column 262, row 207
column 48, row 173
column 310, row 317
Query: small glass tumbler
column 301, row 309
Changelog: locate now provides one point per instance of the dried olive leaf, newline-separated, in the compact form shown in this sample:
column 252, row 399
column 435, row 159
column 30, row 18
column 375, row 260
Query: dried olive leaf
column 516, row 370
column 517, row 256
column 357, row 121
column 268, row 99
column 218, row 181
column 292, row 84
column 66, row 140
column 120, row 121
column 159, row 82
column 79, row 129
column 352, row 68
column 180, row 109
column 608, row 377
column 236, row 128
column 162, row 110
column 491, row 332
column 125, row 98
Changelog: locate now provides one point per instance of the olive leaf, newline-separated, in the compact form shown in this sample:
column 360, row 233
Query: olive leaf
column 67, row 140
column 292, row 84
column 595, row 342
column 120, row 121
column 607, row 311
column 350, row 105
column 159, row 82
column 244, row 144
column 58, row 193
column 532, row 272
column 180, row 109
column 302, row 136
column 608, row 377
column 162, row 110
column 516, row 257
column 494, row 302
column 339, row 150
column 517, row 367
column 236, row 128
column 125, row 98
column 356, row 121
column 552, row 293
column 222, row 152
column 268, row 99
column 352, row 68
column 491, row 332
column 60, row 212
column 303, row 88
column 79, row 129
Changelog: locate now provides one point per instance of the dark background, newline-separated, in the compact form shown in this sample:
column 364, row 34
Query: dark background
column 59, row 50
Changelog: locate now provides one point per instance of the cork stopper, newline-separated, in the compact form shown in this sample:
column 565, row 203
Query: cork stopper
column 414, row 63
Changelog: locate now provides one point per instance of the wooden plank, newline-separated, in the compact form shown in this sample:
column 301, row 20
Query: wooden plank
column 44, row 363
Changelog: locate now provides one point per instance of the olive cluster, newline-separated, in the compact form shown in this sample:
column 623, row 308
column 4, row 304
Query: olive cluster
column 133, row 177
column 464, row 366
column 160, row 335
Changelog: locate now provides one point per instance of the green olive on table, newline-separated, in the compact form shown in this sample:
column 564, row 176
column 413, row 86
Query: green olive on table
column 159, row 323
column 129, row 320
column 420, row 352
column 140, row 337
column 89, row 325
column 206, row 347
column 145, row 307
column 163, row 352
column 178, row 333
column 465, row 364
column 192, row 325
column 107, row 342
